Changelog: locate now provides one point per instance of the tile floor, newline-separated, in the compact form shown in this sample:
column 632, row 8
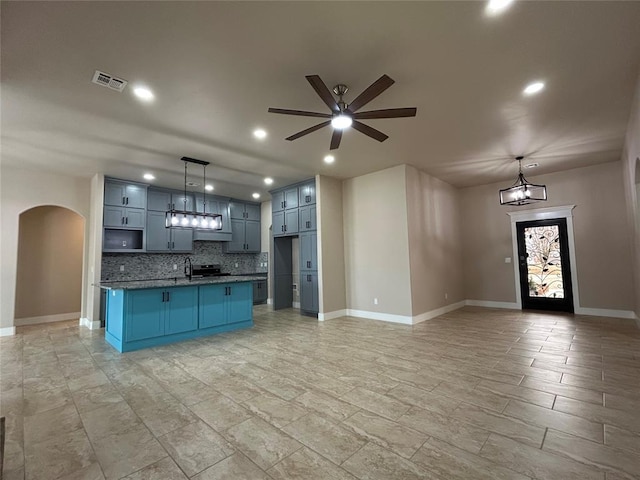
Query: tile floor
column 477, row 394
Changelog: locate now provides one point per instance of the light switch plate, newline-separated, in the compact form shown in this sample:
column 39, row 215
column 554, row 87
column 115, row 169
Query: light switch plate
column 507, row 259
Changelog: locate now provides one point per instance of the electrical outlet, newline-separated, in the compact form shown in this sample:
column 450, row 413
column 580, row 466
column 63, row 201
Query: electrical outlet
column 122, row 268
column 375, row 301
column 175, row 267
column 236, row 265
column 507, row 259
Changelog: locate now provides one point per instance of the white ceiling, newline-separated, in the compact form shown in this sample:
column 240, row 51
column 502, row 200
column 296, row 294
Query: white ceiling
column 216, row 67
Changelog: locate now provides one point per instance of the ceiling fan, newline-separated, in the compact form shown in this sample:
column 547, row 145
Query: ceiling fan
column 344, row 116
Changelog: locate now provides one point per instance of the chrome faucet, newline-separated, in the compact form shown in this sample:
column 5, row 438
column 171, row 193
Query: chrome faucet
column 188, row 270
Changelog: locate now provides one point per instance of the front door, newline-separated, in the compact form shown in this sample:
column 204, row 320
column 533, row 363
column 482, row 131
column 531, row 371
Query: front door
column 545, row 272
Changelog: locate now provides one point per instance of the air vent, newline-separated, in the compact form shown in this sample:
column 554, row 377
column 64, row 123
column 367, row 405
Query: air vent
column 109, row 81
column 193, row 184
column 532, row 165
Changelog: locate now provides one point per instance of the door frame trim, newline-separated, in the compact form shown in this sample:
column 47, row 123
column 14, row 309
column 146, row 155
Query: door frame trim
column 563, row 211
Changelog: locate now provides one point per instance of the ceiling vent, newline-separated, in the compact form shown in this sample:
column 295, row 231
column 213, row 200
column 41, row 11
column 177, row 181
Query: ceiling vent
column 109, row 81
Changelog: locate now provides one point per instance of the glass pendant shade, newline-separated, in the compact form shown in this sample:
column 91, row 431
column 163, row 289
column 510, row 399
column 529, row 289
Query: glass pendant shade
column 523, row 192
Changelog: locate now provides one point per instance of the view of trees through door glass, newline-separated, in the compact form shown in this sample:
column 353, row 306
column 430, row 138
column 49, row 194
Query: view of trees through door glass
column 544, row 267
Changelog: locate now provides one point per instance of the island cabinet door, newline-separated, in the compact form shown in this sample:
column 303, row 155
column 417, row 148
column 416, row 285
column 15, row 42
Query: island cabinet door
column 212, row 311
column 145, row 314
column 181, row 311
column 240, row 301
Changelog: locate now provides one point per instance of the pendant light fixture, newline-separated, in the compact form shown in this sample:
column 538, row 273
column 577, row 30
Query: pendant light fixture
column 184, row 218
column 522, row 192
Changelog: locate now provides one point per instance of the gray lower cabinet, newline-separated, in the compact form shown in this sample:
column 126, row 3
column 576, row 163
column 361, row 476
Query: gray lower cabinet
column 309, row 292
column 307, row 216
column 260, row 292
column 163, row 239
column 123, row 217
column 245, row 237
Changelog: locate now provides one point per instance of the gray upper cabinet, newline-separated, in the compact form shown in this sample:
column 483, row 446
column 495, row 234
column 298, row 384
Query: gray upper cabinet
column 125, row 194
column 245, row 228
column 163, row 200
column 217, row 205
column 158, row 200
column 163, row 239
column 307, row 194
column 285, row 223
column 284, row 199
column 307, row 218
column 124, row 217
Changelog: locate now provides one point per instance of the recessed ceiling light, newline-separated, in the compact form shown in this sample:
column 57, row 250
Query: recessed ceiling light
column 208, row 188
column 268, row 181
column 533, row 88
column 143, row 93
column 149, row 176
column 495, row 7
column 259, row 133
column 256, row 195
column 329, row 159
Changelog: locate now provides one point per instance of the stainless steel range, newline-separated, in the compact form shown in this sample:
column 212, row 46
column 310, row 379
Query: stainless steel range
column 207, row 270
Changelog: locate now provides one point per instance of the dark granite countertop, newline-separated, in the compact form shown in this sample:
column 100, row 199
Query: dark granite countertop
column 177, row 282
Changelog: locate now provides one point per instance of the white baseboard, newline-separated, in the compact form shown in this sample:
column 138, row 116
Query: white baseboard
column 91, row 325
column 491, row 304
column 604, row 312
column 438, row 311
column 7, row 331
column 385, row 317
column 46, row 318
column 295, row 304
column 331, row 315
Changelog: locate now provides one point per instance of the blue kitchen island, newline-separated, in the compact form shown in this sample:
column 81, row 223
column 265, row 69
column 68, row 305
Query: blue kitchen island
column 148, row 313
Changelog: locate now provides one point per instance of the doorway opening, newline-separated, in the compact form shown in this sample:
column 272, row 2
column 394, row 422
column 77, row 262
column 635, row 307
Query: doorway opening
column 50, row 261
column 544, row 265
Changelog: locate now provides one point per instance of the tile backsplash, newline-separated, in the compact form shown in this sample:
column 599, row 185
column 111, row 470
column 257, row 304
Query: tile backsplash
column 144, row 266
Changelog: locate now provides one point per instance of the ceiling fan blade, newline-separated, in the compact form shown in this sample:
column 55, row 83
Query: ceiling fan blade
column 388, row 113
column 335, row 139
column 308, row 130
column 369, row 131
column 300, row 113
column 375, row 89
column 324, row 93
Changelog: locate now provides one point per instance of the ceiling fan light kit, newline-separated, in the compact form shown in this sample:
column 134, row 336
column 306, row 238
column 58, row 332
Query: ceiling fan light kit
column 343, row 116
column 522, row 192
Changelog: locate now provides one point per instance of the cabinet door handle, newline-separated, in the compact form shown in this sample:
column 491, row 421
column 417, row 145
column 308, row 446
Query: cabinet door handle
column 163, row 296
column 308, row 264
column 126, row 220
column 123, row 200
column 229, row 290
column 127, row 200
column 282, row 228
column 173, row 244
column 168, row 244
column 285, row 228
column 168, row 297
column 122, row 221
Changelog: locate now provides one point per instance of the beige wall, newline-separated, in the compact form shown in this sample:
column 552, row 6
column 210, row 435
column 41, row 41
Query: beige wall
column 376, row 245
column 435, row 252
column 602, row 237
column 331, row 274
column 631, row 175
column 49, row 278
column 21, row 190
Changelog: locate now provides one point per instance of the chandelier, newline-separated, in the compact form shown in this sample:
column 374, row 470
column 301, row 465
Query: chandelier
column 190, row 218
column 522, row 192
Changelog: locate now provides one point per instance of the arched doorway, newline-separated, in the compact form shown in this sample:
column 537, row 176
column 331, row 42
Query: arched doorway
column 49, row 273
